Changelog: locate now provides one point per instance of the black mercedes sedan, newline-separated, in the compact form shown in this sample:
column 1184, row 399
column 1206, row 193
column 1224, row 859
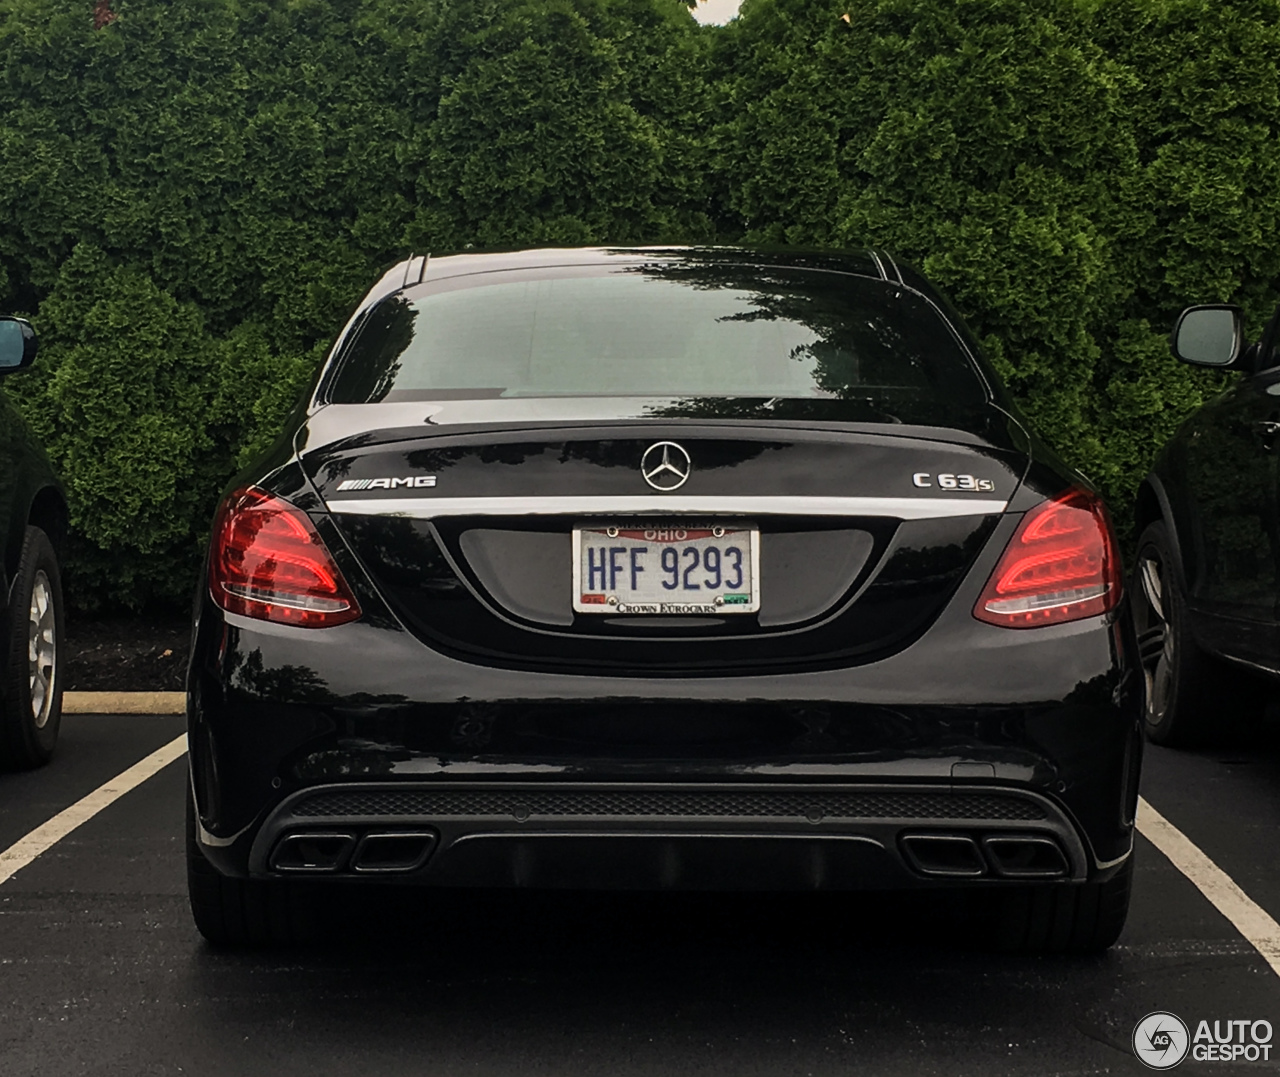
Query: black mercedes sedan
column 33, row 523
column 1207, row 575
column 662, row 569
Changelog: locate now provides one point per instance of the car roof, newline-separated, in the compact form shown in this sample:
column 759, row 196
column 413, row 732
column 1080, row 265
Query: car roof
column 860, row 262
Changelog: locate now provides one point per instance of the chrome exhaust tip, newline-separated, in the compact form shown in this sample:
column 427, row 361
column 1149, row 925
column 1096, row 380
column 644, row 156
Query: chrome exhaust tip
column 392, row 851
column 947, row 855
column 1026, row 856
column 312, row 853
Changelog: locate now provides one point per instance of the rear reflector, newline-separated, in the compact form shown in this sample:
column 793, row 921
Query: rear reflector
column 1061, row 565
column 268, row 561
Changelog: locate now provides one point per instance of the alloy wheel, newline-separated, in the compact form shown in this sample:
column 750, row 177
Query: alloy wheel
column 1155, row 636
column 42, row 652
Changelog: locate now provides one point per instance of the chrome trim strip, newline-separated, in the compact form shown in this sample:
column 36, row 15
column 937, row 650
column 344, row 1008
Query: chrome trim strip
column 1258, row 667
column 205, row 837
column 673, row 834
column 902, row 508
column 1102, row 865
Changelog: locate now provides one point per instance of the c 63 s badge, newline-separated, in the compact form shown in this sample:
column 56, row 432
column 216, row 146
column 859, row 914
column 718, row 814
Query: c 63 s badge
column 409, row 482
column 947, row 481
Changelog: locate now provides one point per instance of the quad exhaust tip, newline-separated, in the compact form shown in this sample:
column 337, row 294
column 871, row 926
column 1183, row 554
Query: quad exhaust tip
column 394, row 851
column 1025, row 856
column 313, row 853
column 953, row 855
column 1010, row 856
column 329, row 852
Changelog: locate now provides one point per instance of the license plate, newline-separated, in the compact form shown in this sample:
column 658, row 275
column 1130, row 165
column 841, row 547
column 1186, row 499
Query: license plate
column 666, row 568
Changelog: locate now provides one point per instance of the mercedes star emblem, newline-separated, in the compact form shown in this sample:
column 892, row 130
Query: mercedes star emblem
column 665, row 466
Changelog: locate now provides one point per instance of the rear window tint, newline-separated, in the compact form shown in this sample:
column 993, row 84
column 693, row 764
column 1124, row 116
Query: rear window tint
column 675, row 333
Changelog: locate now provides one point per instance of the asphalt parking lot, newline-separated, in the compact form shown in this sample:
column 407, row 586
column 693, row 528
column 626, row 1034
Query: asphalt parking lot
column 102, row 972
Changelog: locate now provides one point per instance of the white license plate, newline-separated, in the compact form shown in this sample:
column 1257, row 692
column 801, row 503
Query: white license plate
column 666, row 568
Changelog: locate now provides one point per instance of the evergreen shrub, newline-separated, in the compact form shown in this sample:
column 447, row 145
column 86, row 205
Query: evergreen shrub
column 197, row 191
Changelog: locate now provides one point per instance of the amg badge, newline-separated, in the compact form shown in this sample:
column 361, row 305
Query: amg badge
column 411, row 482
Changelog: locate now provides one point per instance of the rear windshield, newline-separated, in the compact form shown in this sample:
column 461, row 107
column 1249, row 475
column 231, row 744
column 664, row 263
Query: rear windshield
column 686, row 335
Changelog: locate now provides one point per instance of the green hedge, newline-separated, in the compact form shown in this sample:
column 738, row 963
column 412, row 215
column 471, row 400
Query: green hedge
column 197, row 192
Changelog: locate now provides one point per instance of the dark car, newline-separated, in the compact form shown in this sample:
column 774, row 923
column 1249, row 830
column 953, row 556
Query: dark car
column 1206, row 595
column 33, row 522
column 662, row 569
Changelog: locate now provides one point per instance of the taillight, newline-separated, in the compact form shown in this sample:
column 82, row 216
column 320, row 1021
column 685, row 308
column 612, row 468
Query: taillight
column 268, row 561
column 1061, row 565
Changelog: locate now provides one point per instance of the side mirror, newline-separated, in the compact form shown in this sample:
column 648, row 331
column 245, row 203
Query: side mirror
column 18, row 344
column 1209, row 336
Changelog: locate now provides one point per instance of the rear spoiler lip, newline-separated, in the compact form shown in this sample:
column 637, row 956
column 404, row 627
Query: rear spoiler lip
column 368, row 425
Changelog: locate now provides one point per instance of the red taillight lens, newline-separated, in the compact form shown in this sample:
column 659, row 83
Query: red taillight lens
column 1060, row 565
column 268, row 561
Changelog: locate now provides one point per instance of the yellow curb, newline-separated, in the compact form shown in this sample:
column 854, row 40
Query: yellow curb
column 124, row 702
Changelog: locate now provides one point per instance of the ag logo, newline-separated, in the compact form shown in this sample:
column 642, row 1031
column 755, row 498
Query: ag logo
column 1160, row 1040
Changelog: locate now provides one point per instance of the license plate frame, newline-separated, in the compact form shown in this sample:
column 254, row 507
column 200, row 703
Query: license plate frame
column 654, row 600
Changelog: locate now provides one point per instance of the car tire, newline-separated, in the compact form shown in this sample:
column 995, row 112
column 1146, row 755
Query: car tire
column 240, row 913
column 1190, row 698
column 31, row 695
column 1065, row 918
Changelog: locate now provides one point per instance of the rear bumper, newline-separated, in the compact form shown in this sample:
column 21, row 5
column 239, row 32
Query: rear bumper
column 652, row 836
column 1048, row 718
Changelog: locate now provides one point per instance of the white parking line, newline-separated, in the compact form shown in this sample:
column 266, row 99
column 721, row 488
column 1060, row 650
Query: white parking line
column 1245, row 914
column 124, row 702
column 26, row 849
